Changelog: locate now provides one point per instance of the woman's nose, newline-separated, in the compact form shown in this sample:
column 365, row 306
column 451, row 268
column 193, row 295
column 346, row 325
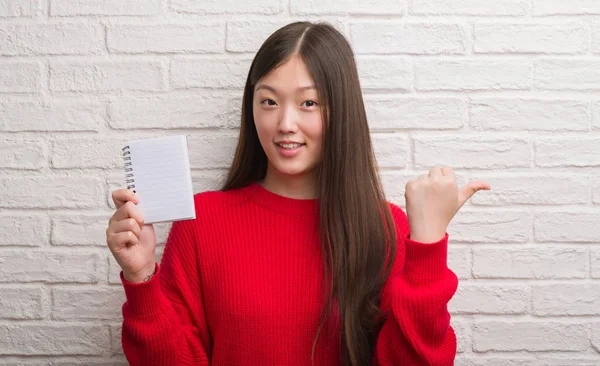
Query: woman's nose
column 288, row 123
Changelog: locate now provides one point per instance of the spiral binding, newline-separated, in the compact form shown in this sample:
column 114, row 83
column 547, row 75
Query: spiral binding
column 129, row 179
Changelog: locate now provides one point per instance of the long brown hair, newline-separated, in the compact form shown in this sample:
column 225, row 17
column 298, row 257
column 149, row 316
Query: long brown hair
column 356, row 228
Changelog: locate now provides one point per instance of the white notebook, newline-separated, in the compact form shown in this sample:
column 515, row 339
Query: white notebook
column 158, row 170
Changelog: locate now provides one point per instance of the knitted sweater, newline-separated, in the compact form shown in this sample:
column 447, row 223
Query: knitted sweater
column 242, row 284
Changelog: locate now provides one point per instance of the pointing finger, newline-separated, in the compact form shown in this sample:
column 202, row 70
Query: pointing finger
column 469, row 190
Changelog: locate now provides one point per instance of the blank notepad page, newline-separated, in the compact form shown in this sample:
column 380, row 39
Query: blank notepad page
column 160, row 175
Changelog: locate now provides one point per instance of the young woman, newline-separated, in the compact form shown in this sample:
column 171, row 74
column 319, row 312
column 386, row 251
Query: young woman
column 298, row 259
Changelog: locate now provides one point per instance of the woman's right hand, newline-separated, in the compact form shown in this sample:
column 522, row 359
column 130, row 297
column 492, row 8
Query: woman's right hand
column 132, row 243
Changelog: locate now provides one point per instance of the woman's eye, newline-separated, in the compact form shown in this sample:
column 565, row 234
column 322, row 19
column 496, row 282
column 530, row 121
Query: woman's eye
column 310, row 103
column 269, row 102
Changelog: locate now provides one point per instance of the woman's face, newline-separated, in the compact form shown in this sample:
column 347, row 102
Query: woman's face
column 287, row 114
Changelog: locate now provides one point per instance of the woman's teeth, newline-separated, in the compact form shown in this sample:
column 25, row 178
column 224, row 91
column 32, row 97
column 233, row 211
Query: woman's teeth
column 290, row 146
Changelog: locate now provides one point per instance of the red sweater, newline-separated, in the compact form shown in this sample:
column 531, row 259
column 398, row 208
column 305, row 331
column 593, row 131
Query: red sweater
column 241, row 285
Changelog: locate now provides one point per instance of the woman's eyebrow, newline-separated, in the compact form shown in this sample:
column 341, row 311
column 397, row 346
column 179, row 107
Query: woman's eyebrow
column 268, row 87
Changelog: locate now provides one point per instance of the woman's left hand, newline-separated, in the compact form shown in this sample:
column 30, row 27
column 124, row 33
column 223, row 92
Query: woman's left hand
column 432, row 201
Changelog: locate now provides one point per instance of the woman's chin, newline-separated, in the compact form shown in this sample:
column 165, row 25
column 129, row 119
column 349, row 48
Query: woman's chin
column 293, row 171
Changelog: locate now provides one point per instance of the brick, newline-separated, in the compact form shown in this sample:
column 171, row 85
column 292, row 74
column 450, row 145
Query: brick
column 528, row 335
column 394, row 184
column 87, row 303
column 477, row 298
column 459, row 261
column 162, row 231
column 88, row 361
column 105, row 7
column 562, row 151
column 469, row 7
column 87, row 153
column 48, row 266
column 473, row 360
column 385, row 72
column 211, row 110
column 115, row 339
column 467, row 74
column 560, row 74
column 16, row 8
column 105, row 76
column 566, row 299
column 23, row 154
column 596, row 336
column 531, row 38
column 51, row 116
column 53, row 339
column 214, row 72
column 166, row 38
column 394, row 37
column 391, row 150
column 571, row 360
column 21, row 303
column 565, row 359
column 567, row 227
column 24, row 230
column 51, row 39
column 595, row 265
column 415, row 113
column 491, row 227
column 248, row 36
column 115, row 180
column 212, row 150
column 550, row 263
column 574, row 7
column 20, row 77
column 30, row 361
column 50, row 192
column 534, row 189
column 470, row 151
column 208, row 180
column 82, row 229
column 496, row 114
column 263, row 7
column 306, row 7
column 462, row 329
column 595, row 43
column 596, row 115
column 114, row 271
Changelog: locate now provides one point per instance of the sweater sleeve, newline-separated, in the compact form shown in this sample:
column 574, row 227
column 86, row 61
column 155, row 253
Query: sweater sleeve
column 164, row 322
column 417, row 328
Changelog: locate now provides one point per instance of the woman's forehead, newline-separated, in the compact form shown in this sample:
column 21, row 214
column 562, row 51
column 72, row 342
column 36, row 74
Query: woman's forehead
column 290, row 76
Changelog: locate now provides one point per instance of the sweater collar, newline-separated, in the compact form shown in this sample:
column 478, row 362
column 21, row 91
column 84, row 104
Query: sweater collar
column 279, row 203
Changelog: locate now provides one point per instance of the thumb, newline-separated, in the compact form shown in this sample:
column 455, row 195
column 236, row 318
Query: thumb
column 469, row 190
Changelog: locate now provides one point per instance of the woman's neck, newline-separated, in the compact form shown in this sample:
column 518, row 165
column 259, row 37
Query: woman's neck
column 298, row 187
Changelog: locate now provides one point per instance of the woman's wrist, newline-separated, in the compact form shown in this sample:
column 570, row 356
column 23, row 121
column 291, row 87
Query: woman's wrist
column 141, row 276
column 427, row 237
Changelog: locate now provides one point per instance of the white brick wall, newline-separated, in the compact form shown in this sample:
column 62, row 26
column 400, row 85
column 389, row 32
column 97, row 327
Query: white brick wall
column 506, row 90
